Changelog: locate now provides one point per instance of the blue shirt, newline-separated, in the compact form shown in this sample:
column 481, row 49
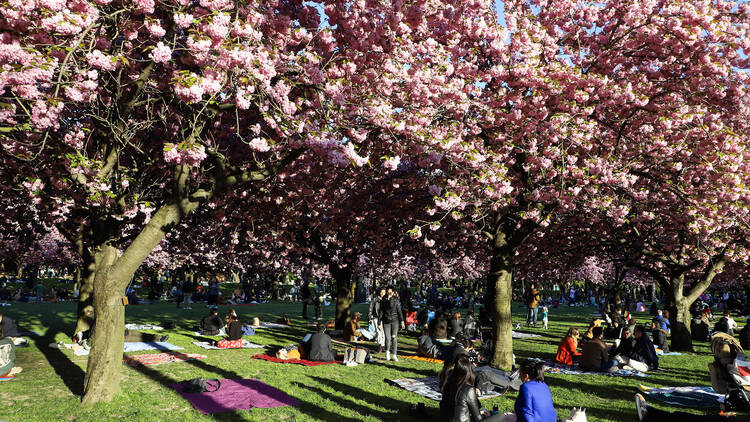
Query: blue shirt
column 664, row 324
column 534, row 403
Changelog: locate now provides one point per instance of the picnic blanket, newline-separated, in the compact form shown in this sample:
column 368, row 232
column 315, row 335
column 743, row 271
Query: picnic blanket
column 520, row 335
column 272, row 325
column 557, row 368
column 304, row 362
column 661, row 353
column 696, row 397
column 143, row 327
column 422, row 358
column 245, row 345
column 241, row 394
column 159, row 358
column 136, row 346
column 221, row 333
column 428, row 387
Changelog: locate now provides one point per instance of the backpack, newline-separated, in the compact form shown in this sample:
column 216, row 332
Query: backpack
column 356, row 354
column 200, row 385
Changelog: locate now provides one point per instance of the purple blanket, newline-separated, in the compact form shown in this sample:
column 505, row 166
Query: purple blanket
column 239, row 394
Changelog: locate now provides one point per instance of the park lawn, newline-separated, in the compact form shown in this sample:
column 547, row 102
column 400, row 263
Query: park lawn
column 48, row 387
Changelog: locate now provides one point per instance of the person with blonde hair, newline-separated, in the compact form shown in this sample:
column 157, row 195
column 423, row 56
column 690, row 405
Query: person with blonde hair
column 566, row 351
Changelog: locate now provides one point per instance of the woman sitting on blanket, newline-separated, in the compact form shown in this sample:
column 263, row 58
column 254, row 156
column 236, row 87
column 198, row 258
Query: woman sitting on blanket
column 461, row 404
column 566, row 351
column 234, row 332
column 352, row 331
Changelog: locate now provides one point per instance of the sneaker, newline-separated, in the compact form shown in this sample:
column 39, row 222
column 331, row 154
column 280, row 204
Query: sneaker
column 395, row 358
column 351, row 363
column 164, row 338
column 388, row 355
column 613, row 369
column 640, row 406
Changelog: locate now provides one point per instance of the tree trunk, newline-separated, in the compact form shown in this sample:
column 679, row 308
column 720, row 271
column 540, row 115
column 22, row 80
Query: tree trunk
column 500, row 283
column 102, row 379
column 345, row 288
column 86, row 297
column 679, row 314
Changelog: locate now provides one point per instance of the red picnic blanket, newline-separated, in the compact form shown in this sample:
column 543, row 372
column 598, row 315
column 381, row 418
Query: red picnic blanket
column 304, row 362
column 159, row 358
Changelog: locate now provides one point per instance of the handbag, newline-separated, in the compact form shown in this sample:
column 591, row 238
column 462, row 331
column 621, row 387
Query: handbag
column 200, row 385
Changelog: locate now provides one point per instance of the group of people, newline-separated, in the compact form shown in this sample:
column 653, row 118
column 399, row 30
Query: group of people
column 634, row 350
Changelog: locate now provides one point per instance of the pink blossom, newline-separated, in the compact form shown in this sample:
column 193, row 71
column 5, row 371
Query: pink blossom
column 183, row 20
column 145, row 6
column 392, row 163
column 259, row 144
column 101, row 61
column 161, row 53
column 429, row 242
column 155, row 29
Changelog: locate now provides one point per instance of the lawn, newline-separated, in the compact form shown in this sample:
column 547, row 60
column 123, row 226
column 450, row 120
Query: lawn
column 48, row 387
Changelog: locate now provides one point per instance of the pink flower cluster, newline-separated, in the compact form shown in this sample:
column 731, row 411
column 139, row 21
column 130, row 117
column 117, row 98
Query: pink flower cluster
column 161, row 53
column 75, row 138
column 391, row 163
column 183, row 20
column 259, row 144
column 101, row 61
column 155, row 29
column 44, row 116
column 145, row 6
column 191, row 155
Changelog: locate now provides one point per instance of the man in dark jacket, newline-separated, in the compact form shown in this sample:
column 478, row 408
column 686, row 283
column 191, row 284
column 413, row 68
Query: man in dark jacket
column 319, row 346
column 643, row 356
column 211, row 323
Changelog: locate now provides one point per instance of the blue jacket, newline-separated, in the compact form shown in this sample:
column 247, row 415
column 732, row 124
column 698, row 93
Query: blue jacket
column 534, row 403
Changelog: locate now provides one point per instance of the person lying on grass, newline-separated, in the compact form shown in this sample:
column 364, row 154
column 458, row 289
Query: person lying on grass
column 429, row 347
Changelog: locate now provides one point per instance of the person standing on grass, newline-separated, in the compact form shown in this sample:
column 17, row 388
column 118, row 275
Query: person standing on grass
column 390, row 314
column 532, row 303
column 306, row 297
column 374, row 315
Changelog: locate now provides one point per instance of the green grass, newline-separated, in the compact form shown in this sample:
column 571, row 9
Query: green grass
column 47, row 388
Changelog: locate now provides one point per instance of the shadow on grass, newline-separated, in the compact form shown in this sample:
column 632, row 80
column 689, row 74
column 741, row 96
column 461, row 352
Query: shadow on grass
column 71, row 374
column 401, row 408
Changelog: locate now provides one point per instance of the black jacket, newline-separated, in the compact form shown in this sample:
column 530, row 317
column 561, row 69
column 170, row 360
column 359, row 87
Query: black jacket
column 234, row 330
column 643, row 351
column 465, row 407
column 625, row 348
column 8, row 328
column 212, row 323
column 390, row 310
column 374, row 308
column 320, row 349
column 455, row 326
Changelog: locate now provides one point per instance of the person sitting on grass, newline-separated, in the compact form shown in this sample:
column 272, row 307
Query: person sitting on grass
column 461, row 404
column 429, row 347
column 211, row 324
column 455, row 324
column 319, row 347
column 625, row 348
column 351, row 330
column 566, row 351
column 7, row 327
column 234, row 326
column 595, row 356
column 660, row 336
column 643, row 356
column 471, row 328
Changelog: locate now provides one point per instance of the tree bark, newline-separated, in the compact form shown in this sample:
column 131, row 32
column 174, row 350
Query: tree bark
column 102, row 379
column 345, row 288
column 500, row 284
column 86, row 298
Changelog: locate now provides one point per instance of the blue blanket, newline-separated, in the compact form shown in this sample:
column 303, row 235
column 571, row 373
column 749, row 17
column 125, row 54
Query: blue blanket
column 158, row 345
column 556, row 368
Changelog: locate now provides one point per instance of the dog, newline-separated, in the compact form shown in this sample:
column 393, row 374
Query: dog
column 576, row 415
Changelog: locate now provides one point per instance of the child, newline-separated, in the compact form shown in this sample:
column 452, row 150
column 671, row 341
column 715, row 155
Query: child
column 545, row 312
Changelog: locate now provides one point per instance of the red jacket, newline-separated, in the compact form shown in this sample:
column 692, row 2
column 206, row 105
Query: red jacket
column 566, row 350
